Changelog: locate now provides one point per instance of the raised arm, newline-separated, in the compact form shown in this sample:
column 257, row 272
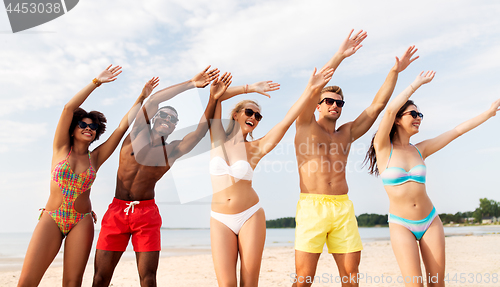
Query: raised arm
column 104, row 151
column 431, row 146
column 314, row 86
column 200, row 80
column 260, row 87
column 382, row 141
column 366, row 119
column 217, row 89
column 348, row 47
column 61, row 137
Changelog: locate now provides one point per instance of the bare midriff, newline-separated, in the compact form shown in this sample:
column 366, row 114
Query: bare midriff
column 409, row 200
column 236, row 198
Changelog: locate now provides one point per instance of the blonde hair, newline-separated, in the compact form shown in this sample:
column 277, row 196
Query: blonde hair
column 333, row 89
column 239, row 106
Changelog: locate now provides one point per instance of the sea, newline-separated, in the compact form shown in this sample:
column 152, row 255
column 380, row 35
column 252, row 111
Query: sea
column 176, row 242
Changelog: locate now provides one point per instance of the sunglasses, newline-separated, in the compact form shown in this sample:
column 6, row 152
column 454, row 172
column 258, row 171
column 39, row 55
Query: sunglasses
column 414, row 114
column 168, row 117
column 250, row 112
column 84, row 125
column 330, row 101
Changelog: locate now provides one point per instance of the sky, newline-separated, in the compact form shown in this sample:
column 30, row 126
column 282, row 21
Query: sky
column 43, row 67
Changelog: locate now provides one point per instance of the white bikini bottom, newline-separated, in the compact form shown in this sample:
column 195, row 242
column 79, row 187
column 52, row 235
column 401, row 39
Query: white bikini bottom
column 235, row 221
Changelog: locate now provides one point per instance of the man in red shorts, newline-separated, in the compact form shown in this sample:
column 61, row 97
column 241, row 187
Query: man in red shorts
column 145, row 157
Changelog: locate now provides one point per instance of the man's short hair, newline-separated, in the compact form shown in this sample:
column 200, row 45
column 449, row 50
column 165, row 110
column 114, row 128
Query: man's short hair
column 333, row 89
column 169, row 107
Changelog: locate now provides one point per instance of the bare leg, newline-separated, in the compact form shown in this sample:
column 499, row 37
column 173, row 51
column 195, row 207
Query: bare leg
column 433, row 253
column 147, row 265
column 44, row 245
column 348, row 264
column 305, row 267
column 251, row 241
column 405, row 249
column 77, row 250
column 224, row 253
column 104, row 266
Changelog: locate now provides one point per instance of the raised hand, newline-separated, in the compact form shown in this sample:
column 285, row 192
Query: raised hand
column 219, row 86
column 109, row 75
column 149, row 87
column 424, row 78
column 495, row 107
column 264, row 87
column 351, row 45
column 320, row 79
column 203, row 78
column 406, row 59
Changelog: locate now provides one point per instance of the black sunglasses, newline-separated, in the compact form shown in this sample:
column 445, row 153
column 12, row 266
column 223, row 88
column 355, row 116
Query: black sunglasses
column 168, row 117
column 414, row 114
column 92, row 126
column 250, row 112
column 330, row 101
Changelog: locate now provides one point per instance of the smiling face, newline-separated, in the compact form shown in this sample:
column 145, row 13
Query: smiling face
column 165, row 121
column 331, row 112
column 247, row 123
column 407, row 123
column 84, row 134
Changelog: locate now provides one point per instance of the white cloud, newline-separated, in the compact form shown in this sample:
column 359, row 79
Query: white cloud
column 15, row 135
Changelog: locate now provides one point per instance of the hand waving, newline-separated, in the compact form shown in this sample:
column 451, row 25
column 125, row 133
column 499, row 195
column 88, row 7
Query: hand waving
column 264, row 87
column 495, row 107
column 425, row 78
column 203, row 78
column 321, row 79
column 149, row 87
column 406, row 59
column 219, row 86
column 109, row 75
column 350, row 46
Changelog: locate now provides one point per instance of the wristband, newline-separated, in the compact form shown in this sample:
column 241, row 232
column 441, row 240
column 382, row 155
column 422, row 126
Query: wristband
column 412, row 88
column 246, row 88
column 96, row 82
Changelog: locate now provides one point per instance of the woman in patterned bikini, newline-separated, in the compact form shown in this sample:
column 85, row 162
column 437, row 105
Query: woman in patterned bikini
column 412, row 216
column 68, row 213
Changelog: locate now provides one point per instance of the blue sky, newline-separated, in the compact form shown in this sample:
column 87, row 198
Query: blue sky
column 42, row 68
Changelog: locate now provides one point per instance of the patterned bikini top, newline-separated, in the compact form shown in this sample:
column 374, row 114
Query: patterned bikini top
column 72, row 184
column 396, row 175
column 240, row 169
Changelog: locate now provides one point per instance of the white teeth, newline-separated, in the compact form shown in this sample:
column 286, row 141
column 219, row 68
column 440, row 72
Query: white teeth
column 249, row 123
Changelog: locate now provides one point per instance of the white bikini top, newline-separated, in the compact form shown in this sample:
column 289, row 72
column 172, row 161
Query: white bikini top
column 240, row 169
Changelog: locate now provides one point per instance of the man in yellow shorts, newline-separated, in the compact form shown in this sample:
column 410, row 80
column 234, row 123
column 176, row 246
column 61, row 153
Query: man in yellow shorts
column 324, row 212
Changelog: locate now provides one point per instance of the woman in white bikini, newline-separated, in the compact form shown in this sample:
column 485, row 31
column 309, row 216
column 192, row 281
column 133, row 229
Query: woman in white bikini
column 237, row 223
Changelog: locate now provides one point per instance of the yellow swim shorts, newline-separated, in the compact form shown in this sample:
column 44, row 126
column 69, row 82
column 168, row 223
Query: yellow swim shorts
column 330, row 219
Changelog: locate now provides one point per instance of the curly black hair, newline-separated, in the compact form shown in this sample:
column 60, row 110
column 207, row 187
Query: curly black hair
column 95, row 116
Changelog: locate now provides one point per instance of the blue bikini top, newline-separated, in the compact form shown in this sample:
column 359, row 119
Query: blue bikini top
column 396, row 175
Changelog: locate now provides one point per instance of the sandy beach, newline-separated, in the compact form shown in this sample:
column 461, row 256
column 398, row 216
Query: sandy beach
column 473, row 259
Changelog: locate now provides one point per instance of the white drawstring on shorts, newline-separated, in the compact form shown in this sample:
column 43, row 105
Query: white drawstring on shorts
column 132, row 204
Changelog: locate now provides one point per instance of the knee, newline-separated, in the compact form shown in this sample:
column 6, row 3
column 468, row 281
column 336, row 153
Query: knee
column 148, row 279
column 100, row 279
column 67, row 282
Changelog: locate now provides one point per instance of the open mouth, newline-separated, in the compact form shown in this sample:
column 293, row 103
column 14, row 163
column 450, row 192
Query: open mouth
column 87, row 134
column 249, row 123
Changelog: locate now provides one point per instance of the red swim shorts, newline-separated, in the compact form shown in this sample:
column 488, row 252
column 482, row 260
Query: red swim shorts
column 139, row 219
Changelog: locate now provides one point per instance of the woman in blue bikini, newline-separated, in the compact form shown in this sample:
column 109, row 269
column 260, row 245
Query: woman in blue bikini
column 237, row 223
column 412, row 216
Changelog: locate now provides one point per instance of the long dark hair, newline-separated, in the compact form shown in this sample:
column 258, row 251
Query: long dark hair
column 371, row 156
column 95, row 116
